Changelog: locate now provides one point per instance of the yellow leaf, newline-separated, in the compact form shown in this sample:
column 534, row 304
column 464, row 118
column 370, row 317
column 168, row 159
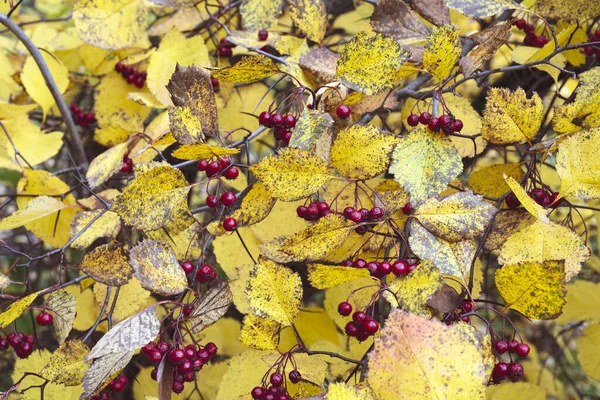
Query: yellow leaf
column 527, row 202
column 319, row 240
column 202, row 151
column 292, row 174
column 244, row 373
column 361, row 151
column 515, row 391
column 310, row 16
column 482, row 8
column 186, row 244
column 582, row 299
column 106, row 165
column 391, row 194
column 106, row 226
column 441, row 51
column 578, row 166
column 195, row 113
column 153, row 199
column 511, row 117
column 112, row 24
column 327, row 276
column 37, row 208
column 10, row 111
column 489, row 181
column 341, row 391
column 63, row 306
column 570, row 10
column 424, row 162
column 314, row 326
column 66, row 365
column 9, row 89
column 259, row 333
column 414, row 291
column 461, row 108
column 132, row 299
column 587, row 344
column 312, row 127
column 249, row 69
column 107, row 264
column 312, row 368
column 260, row 14
column 54, row 228
column 15, row 309
column 541, row 242
column 536, row 290
column 174, row 49
column 416, row 358
column 256, row 206
column 156, row 266
column 357, row 292
column 371, row 63
column 36, row 85
column 459, row 216
column 274, row 292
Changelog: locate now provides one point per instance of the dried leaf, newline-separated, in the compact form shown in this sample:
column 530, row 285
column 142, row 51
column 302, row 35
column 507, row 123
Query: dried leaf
column 106, row 226
column 482, row 8
column 310, row 128
column 15, row 309
column 259, row 333
column 107, row 264
column 310, row 16
column 321, row 62
column 104, row 369
column 496, row 36
column 395, row 18
column 63, row 306
column 327, row 276
column 156, row 267
column 442, row 51
column 249, row 69
column 66, row 365
column 445, row 300
column 213, row 304
column 434, row 11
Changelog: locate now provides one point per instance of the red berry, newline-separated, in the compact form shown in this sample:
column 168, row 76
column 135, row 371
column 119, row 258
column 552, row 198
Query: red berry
column 263, row 35
column 226, row 43
column 213, row 168
column 400, row 267
column 373, row 268
column 413, row 120
column 302, row 212
column 214, row 82
column 211, row 348
column 520, row 23
column 361, row 336
column 139, row 82
column 187, row 310
column 467, row 305
column 515, row 371
column 231, row 173
column 512, row 201
column 289, row 120
column 276, row 379
column 276, row 120
column 344, row 308
column 370, row 326
column 155, row 356
column 523, row 350
column 117, row 386
column 352, row 328
column 322, row 206
column 44, row 318
column 376, row 213
column 258, row 393
column 501, row 346
column 202, row 165
column 75, row 109
column 175, row 356
column 295, row 376
column 343, row 111
column 287, row 136
column 187, row 268
column 457, row 125
column 123, row 379
column 128, row 71
column 347, row 263
column 154, row 374
column 270, row 396
column 355, row 216
column 228, row 199
column 3, row 344
column 407, row 209
column 147, row 348
column 204, row 355
column 224, row 163
column 412, row 267
column 197, row 363
column 212, row 201
column 512, row 345
column 185, row 367
column 384, row 268
column 131, row 79
column 265, row 118
column 24, row 350
column 348, row 211
column 230, row 224
column 359, row 317
column 119, row 67
column 143, row 74
column 529, row 28
column 359, row 263
column 30, row 338
column 127, row 166
column 178, row 386
column 424, row 118
column 163, row 347
column 189, row 376
column 500, row 370
column 205, row 274
column 364, row 212
column 190, row 352
column 279, row 132
column 589, row 50
column 434, row 124
column 445, row 120
column 177, row 377
column 13, row 340
column 225, row 52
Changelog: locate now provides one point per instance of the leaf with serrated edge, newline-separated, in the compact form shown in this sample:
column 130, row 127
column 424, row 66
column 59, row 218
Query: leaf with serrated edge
column 259, row 333
column 260, row 14
column 482, row 8
column 256, row 205
column 526, row 201
column 395, row 18
column 106, row 226
column 15, row 310
column 106, row 165
column 63, row 306
column 578, row 165
column 103, row 369
column 213, row 304
column 442, row 51
column 248, row 70
column 107, row 264
column 327, row 276
column 36, row 209
column 310, row 127
column 274, row 292
column 489, row 181
column 310, row 16
column 414, row 291
column 155, row 265
column 202, row 151
column 66, row 365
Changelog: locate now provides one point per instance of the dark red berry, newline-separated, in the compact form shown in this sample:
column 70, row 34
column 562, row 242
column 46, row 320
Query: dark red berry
column 177, row 377
column 213, row 168
column 228, row 199
column 352, row 328
column 226, row 43
column 214, row 82
column 163, row 347
column 384, row 268
column 211, row 348
column 361, row 335
column 276, row 119
column 75, row 109
column 154, row 374
column 197, row 364
column 189, row 376
column 175, row 356
column 302, row 212
column 231, row 173
column 373, row 268
column 139, row 82
column 204, row 355
column 276, row 379
column 412, row 267
column 400, row 268
column 30, row 338
column 355, row 216
column 520, row 23
column 348, row 211
column 365, row 213
column 287, row 136
column 424, row 118
column 224, row 163
column 359, row 263
column 501, row 346
column 265, row 118
column 187, row 310
column 179, row 386
column 14, row 340
column 119, row 67
column 457, row 125
column 225, row 52
column 467, row 305
column 434, row 124
column 190, row 352
column 589, row 50
column 202, row 165
column 359, row 317
column 127, row 71
column 258, row 393
column 147, row 348
column 500, row 370
column 270, row 396
column 44, row 319
column 24, row 350
column 512, row 201
column 155, row 356
column 376, row 213
column 370, row 326
column 347, row 263
column 407, row 209
column 343, row 111
column 263, row 35
column 117, row 386
column 445, row 120
column 515, row 370
column 185, row 367
column 344, row 308
column 295, row 376
column 523, row 350
column 131, row 79
column 289, row 120
column 230, row 224
column 127, row 166
column 413, row 120
column 512, row 345
column 187, row 267
column 3, row 344
column 205, row 274
column 529, row 28
column 212, row 201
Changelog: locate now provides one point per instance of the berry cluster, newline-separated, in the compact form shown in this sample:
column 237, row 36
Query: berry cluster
column 538, row 195
column 133, row 77
column 117, row 385
column 227, row 199
column 593, row 50
column 531, row 39
column 127, row 166
column 466, row 306
column 221, row 166
column 361, row 326
column 205, row 274
column 512, row 370
column 187, row 361
column 82, row 118
column 380, row 269
column 20, row 342
column 363, row 215
column 446, row 123
column 314, row 211
column 282, row 124
column 276, row 390
column 225, row 48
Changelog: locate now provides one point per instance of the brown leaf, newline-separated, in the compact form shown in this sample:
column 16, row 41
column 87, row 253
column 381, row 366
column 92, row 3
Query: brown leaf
column 321, row 62
column 505, row 224
column 444, row 300
column 165, row 380
column 191, row 87
column 434, row 11
column 212, row 305
column 102, row 370
column 63, row 307
column 396, row 19
column 490, row 40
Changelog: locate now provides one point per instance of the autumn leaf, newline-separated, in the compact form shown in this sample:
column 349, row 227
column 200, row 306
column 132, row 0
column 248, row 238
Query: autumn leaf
column 327, row 276
column 33, row 211
column 15, row 309
column 247, row 70
column 274, row 292
column 587, row 344
column 577, row 10
column 496, row 36
column 161, row 192
column 441, row 51
column 310, row 16
column 526, row 201
column 260, row 14
column 256, row 205
column 202, row 151
column 534, row 289
column 103, row 370
column 63, row 306
column 580, row 302
column 67, row 366
column 106, row 165
column 424, row 162
column 361, row 151
column 371, row 63
column 415, row 357
column 515, row 390
column 312, row 127
column 341, row 391
column 34, row 82
column 155, row 265
column 414, row 291
column 395, row 18
column 391, row 195
column 482, row 8
column 291, row 175
column 107, row 264
column 212, row 305
column 489, row 181
column 510, row 117
column 104, row 224
column 259, row 333
column 578, row 166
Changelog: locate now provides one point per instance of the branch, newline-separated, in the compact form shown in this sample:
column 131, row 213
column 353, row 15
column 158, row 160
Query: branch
column 73, row 136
